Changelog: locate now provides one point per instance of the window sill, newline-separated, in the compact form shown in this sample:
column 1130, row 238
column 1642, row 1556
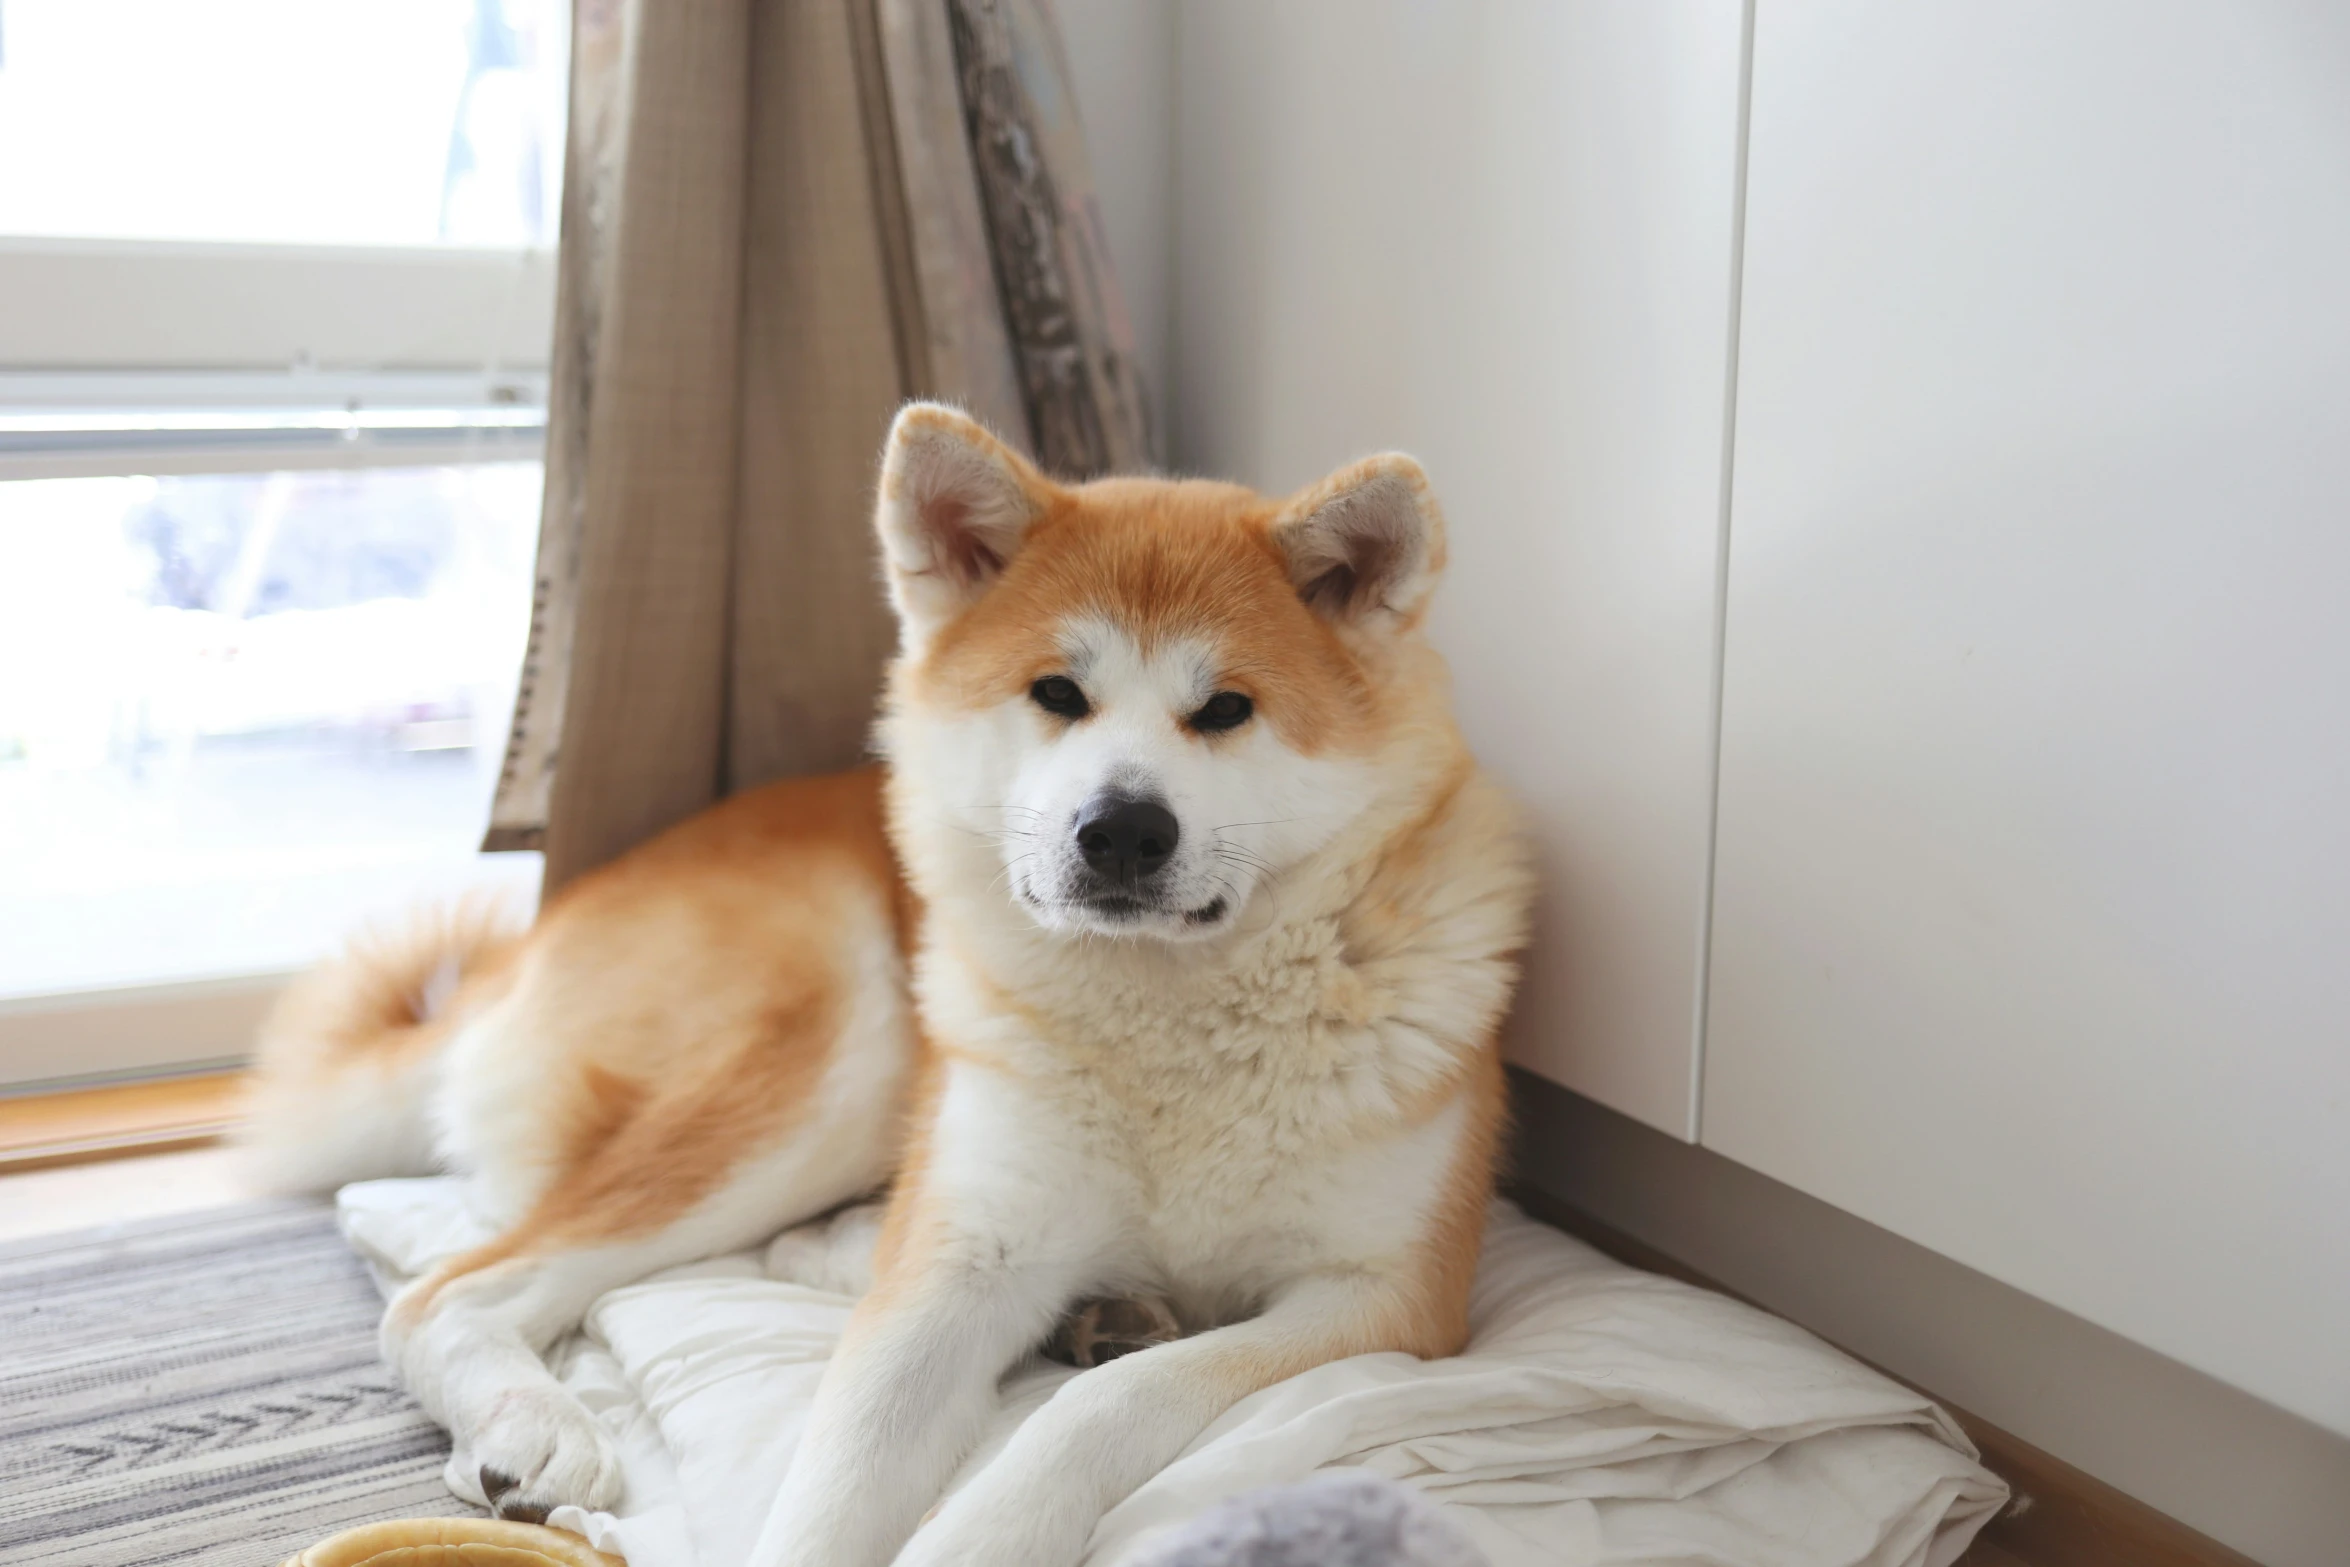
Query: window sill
column 39, row 1130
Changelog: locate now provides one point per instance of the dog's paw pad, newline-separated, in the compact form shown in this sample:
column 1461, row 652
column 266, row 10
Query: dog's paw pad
column 506, row 1499
column 1099, row 1331
column 539, row 1450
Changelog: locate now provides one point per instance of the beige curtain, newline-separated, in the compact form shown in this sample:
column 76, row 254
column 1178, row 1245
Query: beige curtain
column 781, row 218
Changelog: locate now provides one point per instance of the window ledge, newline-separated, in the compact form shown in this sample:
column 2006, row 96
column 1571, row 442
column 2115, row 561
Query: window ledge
column 42, row 1129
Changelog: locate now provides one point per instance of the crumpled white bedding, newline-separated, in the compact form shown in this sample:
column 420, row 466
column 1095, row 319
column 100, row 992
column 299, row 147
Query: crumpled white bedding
column 1599, row 1415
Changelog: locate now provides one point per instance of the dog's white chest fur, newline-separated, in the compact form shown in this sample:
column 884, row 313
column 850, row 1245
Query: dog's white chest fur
column 1227, row 1121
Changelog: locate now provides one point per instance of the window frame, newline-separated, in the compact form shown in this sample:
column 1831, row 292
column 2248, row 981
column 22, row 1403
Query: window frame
column 152, row 305
column 102, row 424
column 170, row 357
column 69, row 1039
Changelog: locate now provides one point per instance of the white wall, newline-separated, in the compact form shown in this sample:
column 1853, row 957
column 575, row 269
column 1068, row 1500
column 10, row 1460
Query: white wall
column 1499, row 236
column 2032, row 936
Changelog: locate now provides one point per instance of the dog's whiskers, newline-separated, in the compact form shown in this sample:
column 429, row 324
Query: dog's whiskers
column 1234, row 854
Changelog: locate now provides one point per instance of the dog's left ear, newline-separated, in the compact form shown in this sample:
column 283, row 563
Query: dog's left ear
column 955, row 506
column 1366, row 544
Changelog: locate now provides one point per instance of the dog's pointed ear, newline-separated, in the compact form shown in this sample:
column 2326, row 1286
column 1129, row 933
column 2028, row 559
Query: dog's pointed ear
column 1366, row 545
column 954, row 507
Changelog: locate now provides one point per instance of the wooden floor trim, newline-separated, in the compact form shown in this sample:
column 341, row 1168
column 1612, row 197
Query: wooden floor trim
column 41, row 1130
column 2061, row 1516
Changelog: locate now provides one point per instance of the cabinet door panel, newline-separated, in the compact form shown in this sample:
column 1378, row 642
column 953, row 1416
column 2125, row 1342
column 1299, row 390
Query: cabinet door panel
column 1500, row 236
column 2032, row 919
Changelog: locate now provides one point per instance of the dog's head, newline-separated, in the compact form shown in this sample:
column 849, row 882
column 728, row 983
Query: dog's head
column 1141, row 698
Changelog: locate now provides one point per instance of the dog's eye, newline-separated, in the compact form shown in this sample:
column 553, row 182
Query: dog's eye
column 1225, row 710
column 1059, row 695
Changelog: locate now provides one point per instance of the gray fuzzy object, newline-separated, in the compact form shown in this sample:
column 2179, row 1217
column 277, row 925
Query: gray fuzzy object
column 1339, row 1518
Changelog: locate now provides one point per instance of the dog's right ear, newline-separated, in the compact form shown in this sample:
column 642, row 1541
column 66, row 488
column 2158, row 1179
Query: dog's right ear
column 955, row 504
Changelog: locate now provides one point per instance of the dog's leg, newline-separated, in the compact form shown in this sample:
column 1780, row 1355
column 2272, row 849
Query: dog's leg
column 469, row 1339
column 785, row 1102
column 904, row 1401
column 962, row 1293
column 1109, row 1430
column 470, row 1347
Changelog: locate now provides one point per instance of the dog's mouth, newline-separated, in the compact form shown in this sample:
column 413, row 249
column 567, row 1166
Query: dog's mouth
column 1117, row 908
column 1114, row 906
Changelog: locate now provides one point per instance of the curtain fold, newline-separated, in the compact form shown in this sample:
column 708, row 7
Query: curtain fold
column 781, row 218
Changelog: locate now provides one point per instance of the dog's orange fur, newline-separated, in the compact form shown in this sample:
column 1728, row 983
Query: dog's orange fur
column 738, row 909
column 1193, row 560
column 677, row 1007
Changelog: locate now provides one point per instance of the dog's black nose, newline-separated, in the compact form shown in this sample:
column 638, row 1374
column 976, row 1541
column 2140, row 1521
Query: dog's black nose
column 1125, row 839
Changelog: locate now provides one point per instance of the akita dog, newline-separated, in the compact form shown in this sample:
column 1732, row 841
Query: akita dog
column 1163, row 958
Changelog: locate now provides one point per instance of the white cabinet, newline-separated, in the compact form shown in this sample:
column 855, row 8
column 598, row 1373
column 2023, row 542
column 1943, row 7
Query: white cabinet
column 1500, row 236
column 2032, row 919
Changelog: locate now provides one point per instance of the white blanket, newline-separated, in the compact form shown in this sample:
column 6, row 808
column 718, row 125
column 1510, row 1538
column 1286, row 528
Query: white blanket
column 1599, row 1415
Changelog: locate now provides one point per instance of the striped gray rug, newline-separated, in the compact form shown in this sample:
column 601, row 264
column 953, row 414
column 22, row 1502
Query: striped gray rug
column 202, row 1389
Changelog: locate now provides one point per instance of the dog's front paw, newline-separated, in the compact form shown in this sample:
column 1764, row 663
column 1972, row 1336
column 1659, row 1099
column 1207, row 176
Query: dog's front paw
column 539, row 1449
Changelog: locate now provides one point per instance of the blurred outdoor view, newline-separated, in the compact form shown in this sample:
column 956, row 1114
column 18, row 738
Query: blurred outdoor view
column 238, row 711
column 325, row 122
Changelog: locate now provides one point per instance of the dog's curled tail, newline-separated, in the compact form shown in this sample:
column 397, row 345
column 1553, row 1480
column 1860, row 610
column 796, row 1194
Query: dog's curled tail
column 345, row 1066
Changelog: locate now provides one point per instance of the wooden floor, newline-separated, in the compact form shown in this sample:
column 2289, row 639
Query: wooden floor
column 95, row 1156
column 1984, row 1554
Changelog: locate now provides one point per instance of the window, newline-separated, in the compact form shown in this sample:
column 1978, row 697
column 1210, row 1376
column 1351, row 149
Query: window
column 272, row 389
column 279, row 185
column 314, row 122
